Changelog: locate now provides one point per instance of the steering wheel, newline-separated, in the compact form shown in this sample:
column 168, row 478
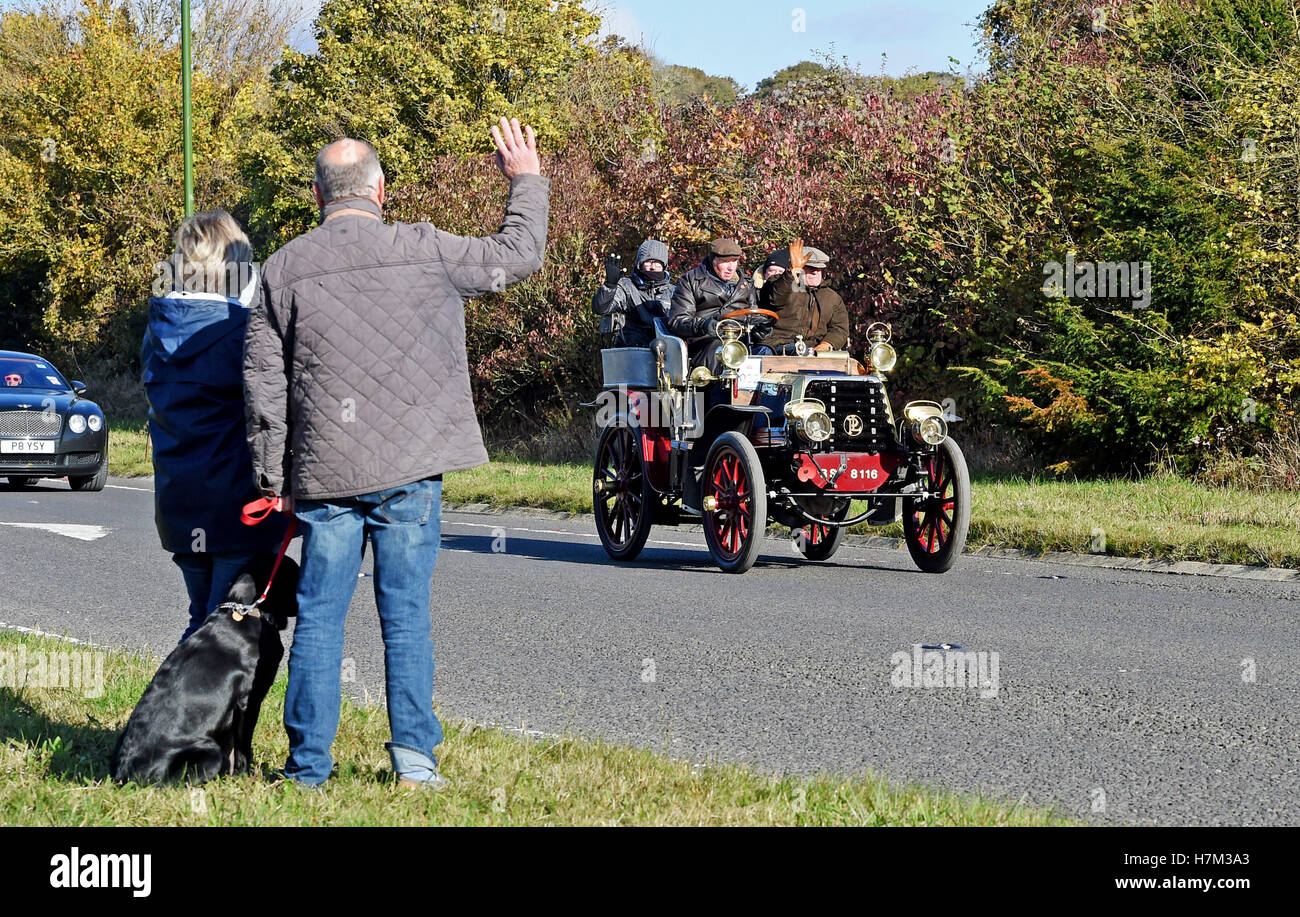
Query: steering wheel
column 742, row 313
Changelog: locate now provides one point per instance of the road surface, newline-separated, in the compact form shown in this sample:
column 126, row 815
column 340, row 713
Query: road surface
column 1121, row 696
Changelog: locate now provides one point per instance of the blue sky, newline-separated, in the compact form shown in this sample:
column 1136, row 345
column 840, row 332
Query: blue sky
column 752, row 40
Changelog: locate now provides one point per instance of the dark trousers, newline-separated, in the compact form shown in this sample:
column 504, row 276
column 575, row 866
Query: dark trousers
column 207, row 580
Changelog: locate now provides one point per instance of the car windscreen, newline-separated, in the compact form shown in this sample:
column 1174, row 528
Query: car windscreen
column 31, row 373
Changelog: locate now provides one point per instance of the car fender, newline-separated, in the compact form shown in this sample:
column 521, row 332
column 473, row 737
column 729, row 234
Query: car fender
column 732, row 418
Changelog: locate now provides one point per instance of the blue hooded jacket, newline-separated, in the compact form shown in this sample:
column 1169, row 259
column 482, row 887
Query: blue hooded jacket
column 192, row 359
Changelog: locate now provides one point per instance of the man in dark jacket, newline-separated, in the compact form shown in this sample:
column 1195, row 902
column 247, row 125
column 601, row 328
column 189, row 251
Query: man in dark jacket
column 704, row 294
column 636, row 301
column 808, row 309
column 192, row 362
column 358, row 401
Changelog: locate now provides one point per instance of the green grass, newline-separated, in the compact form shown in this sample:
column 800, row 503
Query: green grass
column 1159, row 516
column 55, row 747
column 127, row 442
column 509, row 483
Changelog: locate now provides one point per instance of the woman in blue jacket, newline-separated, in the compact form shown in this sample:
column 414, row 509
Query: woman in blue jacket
column 192, row 362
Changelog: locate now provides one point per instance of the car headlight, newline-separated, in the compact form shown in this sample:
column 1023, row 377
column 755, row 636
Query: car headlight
column 798, row 410
column 810, row 419
column 95, row 422
column 883, row 357
column 733, row 354
column 816, row 426
column 933, row 430
column 77, row 423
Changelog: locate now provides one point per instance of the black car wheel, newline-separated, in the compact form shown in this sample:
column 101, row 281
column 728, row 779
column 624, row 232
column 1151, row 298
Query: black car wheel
column 621, row 494
column 733, row 485
column 819, row 542
column 20, row 481
column 935, row 527
column 94, row 482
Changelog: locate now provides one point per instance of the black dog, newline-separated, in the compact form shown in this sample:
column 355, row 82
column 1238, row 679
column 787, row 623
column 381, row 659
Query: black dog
column 197, row 716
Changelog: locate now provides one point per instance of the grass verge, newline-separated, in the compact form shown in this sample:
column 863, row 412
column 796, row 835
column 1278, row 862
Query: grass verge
column 1160, row 516
column 55, row 747
column 128, row 455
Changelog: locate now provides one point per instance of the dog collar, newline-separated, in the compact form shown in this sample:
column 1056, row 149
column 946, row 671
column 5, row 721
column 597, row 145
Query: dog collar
column 238, row 611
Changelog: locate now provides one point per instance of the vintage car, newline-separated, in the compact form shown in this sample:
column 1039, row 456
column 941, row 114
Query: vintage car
column 792, row 439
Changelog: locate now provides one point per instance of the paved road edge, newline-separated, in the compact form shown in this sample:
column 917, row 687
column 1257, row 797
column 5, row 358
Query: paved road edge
column 1110, row 561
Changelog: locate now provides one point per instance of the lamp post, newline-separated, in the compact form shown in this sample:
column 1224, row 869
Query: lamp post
column 186, row 123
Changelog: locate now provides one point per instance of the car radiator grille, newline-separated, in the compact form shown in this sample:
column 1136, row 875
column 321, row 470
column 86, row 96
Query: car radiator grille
column 858, row 411
column 30, row 423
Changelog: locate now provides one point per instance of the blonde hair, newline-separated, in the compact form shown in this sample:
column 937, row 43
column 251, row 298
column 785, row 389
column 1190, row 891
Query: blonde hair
column 209, row 246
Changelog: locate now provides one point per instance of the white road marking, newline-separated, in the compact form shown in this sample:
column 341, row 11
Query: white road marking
column 71, row 530
column 143, row 490
column 40, row 633
column 484, row 525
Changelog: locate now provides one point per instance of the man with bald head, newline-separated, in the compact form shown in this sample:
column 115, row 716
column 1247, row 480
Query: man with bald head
column 347, row 170
column 358, row 400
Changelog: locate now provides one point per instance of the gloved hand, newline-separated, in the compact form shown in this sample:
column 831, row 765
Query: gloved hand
column 613, row 269
column 797, row 257
column 797, row 260
column 760, row 328
column 711, row 327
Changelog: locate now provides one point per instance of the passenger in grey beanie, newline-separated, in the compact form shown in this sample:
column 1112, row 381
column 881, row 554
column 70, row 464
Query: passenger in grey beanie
column 632, row 303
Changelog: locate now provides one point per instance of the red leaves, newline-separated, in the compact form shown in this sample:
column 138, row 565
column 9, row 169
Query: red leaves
column 836, row 174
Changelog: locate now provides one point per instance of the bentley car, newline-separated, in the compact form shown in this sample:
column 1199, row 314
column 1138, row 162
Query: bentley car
column 796, row 440
column 47, row 428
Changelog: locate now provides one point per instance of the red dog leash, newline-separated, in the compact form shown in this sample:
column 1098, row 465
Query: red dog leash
column 258, row 511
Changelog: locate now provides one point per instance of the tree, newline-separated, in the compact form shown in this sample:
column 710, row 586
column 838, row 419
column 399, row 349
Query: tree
column 422, row 78
column 804, row 70
column 677, row 85
column 90, row 172
column 915, row 84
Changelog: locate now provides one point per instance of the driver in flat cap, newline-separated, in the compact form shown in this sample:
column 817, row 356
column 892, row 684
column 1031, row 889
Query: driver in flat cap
column 704, row 294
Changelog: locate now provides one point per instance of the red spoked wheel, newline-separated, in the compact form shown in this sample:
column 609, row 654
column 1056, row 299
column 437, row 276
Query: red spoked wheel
column 819, row 542
column 621, row 494
column 735, row 503
column 935, row 527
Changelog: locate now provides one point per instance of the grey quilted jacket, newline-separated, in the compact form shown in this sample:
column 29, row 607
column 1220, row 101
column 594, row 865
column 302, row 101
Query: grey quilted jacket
column 355, row 373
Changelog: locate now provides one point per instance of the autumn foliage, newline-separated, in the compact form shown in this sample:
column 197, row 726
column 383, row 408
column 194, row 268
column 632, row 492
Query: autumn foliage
column 1160, row 132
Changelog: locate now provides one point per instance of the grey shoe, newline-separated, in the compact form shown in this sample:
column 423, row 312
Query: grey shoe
column 435, row 782
column 415, row 769
column 282, row 777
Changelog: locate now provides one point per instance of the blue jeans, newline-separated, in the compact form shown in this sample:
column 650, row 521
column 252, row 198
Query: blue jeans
column 404, row 528
column 207, row 579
